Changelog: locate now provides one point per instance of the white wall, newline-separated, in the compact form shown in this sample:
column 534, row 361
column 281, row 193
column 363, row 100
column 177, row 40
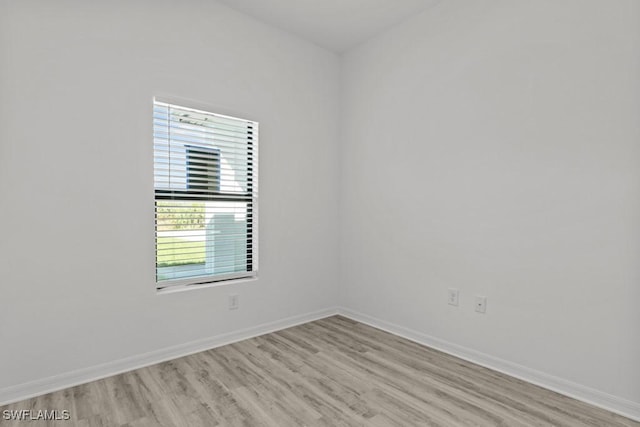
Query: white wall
column 76, row 175
column 493, row 146
column 487, row 145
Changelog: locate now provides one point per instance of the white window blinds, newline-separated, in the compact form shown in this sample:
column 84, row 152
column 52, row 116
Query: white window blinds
column 205, row 176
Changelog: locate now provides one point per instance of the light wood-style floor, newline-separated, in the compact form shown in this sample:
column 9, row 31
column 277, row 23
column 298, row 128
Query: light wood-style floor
column 331, row 372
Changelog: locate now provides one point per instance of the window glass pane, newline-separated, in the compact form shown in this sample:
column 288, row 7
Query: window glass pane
column 202, row 238
column 177, row 134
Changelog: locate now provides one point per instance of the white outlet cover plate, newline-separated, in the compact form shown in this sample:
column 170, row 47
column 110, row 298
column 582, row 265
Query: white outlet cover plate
column 234, row 302
column 453, row 296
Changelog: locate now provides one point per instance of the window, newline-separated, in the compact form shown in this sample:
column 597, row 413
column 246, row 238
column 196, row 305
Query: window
column 205, row 179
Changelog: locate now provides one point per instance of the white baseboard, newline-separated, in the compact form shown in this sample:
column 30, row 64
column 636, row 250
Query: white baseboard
column 30, row 389
column 580, row 392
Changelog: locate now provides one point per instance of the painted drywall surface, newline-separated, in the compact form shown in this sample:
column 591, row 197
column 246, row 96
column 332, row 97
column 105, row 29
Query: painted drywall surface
column 493, row 147
column 77, row 175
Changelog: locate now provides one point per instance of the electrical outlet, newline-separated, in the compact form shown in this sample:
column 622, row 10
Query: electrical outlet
column 481, row 304
column 234, row 302
column 452, row 296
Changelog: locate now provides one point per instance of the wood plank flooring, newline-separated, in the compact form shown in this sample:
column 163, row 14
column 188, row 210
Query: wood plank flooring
column 331, row 372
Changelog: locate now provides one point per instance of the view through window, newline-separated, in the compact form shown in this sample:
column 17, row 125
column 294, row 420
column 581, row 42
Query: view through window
column 205, row 179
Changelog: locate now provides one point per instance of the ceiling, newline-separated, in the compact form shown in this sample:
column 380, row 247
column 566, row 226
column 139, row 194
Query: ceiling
column 337, row 25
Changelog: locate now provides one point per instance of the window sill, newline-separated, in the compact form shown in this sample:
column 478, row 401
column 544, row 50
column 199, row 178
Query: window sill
column 192, row 287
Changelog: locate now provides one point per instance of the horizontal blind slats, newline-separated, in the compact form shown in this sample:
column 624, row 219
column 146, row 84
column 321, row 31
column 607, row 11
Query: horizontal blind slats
column 205, row 174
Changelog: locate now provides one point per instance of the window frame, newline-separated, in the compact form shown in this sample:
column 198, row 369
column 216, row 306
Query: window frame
column 250, row 197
